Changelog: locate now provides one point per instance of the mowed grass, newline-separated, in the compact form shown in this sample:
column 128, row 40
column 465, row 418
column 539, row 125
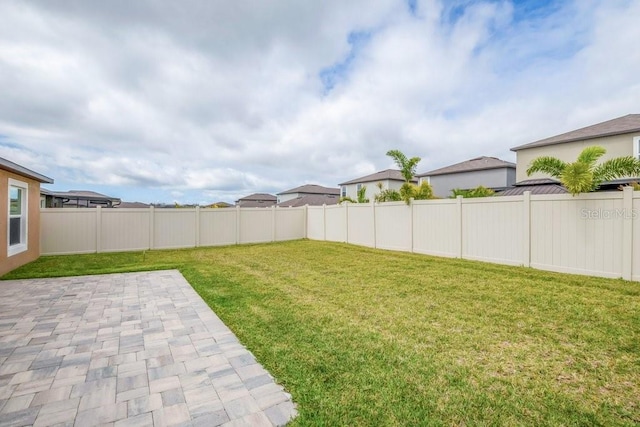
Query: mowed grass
column 369, row 337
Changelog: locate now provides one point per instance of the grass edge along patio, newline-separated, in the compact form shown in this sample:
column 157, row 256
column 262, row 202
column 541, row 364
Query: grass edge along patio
column 364, row 336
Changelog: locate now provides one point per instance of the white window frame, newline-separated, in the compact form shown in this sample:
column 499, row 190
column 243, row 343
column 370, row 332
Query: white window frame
column 343, row 191
column 636, row 147
column 24, row 215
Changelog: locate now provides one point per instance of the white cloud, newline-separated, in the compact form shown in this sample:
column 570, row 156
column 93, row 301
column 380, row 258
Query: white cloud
column 216, row 100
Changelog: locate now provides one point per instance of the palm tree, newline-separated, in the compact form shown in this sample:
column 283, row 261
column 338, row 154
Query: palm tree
column 407, row 166
column 583, row 175
column 408, row 170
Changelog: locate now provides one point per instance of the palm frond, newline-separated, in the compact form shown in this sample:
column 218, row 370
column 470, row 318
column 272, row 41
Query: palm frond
column 547, row 164
column 591, row 154
column 398, row 157
column 620, row 167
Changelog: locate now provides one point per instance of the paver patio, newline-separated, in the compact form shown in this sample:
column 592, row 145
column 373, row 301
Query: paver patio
column 134, row 349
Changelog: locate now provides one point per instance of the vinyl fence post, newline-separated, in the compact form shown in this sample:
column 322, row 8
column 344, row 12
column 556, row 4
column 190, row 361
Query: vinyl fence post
column 459, row 222
column 526, row 240
column 152, row 217
column 237, row 224
column 346, row 222
column 305, row 231
column 375, row 238
column 411, row 222
column 197, row 242
column 273, row 223
column 627, row 233
column 324, row 222
column 98, row 229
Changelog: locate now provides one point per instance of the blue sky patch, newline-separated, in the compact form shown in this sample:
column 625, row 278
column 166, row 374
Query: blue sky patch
column 331, row 76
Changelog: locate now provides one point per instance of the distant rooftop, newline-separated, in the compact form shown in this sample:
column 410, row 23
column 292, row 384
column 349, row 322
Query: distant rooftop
column 311, row 200
column 387, row 174
column 476, row 164
column 260, row 196
column 621, row 125
column 312, row 189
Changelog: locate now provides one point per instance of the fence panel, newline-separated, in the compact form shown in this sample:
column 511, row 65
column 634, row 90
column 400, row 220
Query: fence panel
column 436, row 228
column 393, row 226
column 174, row 228
column 66, row 231
column 493, row 230
column 124, row 230
column 289, row 223
column 578, row 234
column 360, row 225
column 217, row 227
column 315, row 222
column 336, row 223
column 256, row 225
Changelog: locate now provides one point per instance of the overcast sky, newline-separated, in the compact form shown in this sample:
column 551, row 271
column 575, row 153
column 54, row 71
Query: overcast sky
column 197, row 101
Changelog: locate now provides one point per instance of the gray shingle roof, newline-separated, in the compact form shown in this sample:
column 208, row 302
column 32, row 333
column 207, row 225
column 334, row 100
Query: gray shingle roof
column 260, row 196
column 476, row 164
column 625, row 124
column 312, row 189
column 311, row 200
column 390, row 174
column 21, row 170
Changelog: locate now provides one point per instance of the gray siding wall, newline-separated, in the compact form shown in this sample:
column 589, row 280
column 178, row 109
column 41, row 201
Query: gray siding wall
column 443, row 184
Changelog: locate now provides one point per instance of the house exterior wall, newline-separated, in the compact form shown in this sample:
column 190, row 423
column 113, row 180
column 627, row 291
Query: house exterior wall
column 287, row 196
column 372, row 188
column 443, row 184
column 8, row 263
column 616, row 146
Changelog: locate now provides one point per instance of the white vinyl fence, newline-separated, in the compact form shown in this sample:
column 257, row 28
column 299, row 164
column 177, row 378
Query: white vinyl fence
column 87, row 230
column 595, row 234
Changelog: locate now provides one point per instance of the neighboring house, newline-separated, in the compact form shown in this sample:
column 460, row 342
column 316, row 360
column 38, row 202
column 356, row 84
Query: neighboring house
column 391, row 179
column 315, row 195
column 76, row 199
column 257, row 200
column 488, row 172
column 620, row 137
column 20, row 212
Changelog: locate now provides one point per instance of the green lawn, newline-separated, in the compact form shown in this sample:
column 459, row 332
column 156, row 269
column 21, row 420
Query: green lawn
column 368, row 337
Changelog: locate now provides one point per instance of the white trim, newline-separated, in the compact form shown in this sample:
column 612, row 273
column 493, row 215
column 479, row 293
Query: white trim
column 24, row 215
column 636, row 147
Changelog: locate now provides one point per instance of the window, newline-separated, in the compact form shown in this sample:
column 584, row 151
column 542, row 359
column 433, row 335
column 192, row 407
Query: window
column 358, row 187
column 343, row 191
column 17, row 224
column 636, row 147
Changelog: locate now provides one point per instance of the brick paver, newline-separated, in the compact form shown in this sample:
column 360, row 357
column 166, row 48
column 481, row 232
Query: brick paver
column 134, row 349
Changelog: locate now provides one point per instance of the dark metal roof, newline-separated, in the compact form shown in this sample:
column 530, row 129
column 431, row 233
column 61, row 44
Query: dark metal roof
column 387, row 174
column 625, row 124
column 79, row 195
column 21, row 170
column 311, row 200
column 537, row 181
column 312, row 189
column 534, row 189
column 476, row 164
